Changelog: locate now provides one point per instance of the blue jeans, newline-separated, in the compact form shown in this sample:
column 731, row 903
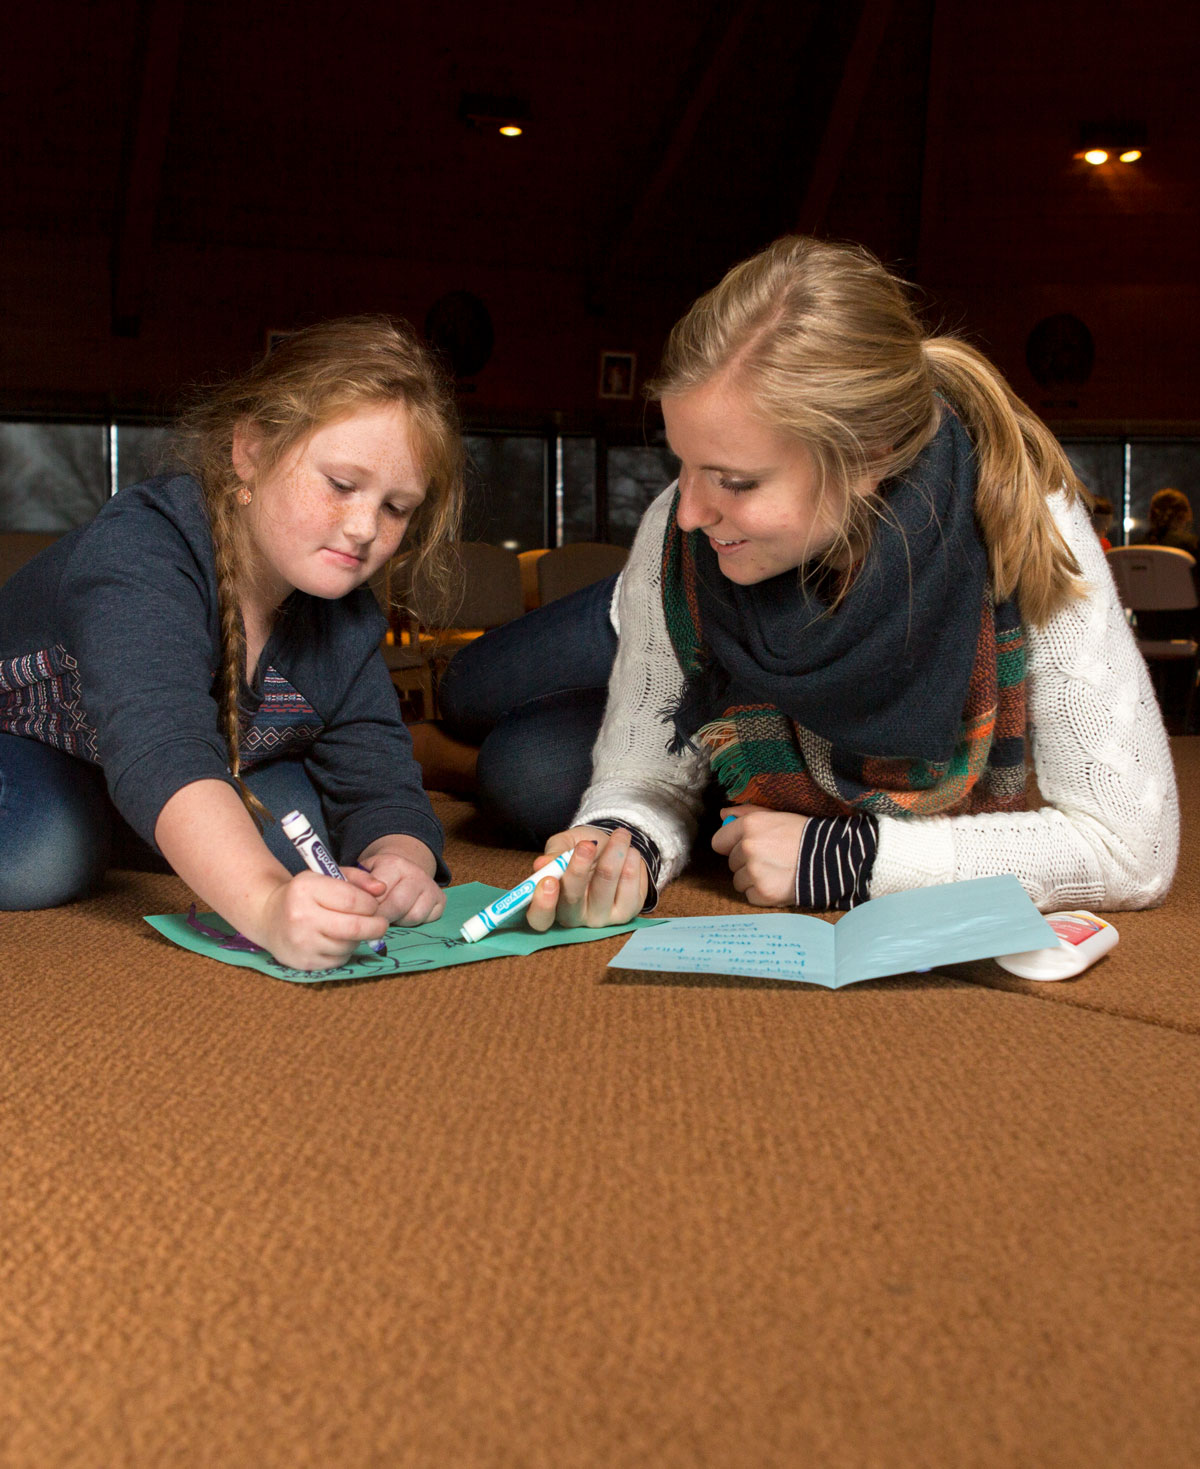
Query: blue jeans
column 60, row 832
column 532, row 695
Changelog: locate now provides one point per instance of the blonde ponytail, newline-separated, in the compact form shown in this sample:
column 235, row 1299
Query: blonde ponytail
column 1019, row 463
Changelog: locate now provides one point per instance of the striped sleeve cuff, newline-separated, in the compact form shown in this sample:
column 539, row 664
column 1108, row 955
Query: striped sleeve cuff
column 646, row 849
column 837, row 854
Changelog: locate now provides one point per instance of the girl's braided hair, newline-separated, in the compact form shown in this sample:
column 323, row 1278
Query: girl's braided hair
column 312, row 378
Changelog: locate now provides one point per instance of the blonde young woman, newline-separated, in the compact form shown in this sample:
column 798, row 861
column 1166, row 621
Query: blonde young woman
column 207, row 648
column 873, row 609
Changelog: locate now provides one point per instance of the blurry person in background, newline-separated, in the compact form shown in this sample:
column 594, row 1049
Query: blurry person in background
column 1102, row 519
column 1171, row 521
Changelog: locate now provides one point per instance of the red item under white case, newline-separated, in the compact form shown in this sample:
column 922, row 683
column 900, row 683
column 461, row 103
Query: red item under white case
column 1082, row 939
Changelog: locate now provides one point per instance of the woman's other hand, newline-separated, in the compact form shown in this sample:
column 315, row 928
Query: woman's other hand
column 762, row 848
column 605, row 883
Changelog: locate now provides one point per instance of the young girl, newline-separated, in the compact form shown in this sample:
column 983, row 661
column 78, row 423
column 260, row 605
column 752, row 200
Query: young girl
column 204, row 656
column 873, row 593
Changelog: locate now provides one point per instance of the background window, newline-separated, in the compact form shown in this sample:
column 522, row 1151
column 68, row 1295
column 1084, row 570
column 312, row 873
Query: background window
column 1156, row 464
column 1100, row 464
column 578, row 459
column 637, row 474
column 140, row 451
column 54, row 475
column 506, row 490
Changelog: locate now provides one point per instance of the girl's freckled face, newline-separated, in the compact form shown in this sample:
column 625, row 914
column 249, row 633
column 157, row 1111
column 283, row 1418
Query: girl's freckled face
column 329, row 515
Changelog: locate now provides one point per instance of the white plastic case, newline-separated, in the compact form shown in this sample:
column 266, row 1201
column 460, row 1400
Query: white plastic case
column 1082, row 939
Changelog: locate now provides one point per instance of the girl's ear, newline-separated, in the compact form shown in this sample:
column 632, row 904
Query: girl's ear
column 246, row 443
column 866, row 486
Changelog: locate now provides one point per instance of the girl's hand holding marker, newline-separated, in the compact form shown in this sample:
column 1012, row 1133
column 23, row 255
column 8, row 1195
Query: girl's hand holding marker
column 317, row 859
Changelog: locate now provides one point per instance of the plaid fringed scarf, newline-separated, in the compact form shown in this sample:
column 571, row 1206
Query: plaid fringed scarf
column 906, row 698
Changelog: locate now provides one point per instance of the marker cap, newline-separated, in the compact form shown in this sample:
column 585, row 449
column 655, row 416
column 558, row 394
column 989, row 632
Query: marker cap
column 474, row 929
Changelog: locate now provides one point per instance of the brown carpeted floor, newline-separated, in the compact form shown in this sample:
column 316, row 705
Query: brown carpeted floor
column 536, row 1212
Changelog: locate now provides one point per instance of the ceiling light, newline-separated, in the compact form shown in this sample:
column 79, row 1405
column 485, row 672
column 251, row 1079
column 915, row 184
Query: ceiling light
column 1101, row 142
column 487, row 112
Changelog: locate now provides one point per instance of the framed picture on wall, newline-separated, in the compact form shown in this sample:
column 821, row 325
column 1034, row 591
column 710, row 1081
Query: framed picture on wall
column 618, row 370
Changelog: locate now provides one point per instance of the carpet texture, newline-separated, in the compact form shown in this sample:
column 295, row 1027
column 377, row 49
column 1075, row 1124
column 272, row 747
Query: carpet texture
column 536, row 1212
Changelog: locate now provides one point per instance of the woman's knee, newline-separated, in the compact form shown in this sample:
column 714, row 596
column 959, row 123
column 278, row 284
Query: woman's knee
column 535, row 765
column 561, row 648
column 283, row 786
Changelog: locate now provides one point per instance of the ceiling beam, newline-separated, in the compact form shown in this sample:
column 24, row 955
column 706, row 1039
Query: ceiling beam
column 843, row 115
column 156, row 68
column 928, row 238
column 700, row 95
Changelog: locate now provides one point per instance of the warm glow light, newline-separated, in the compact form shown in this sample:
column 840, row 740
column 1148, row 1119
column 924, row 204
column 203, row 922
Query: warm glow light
column 1131, row 155
column 511, row 130
column 1096, row 155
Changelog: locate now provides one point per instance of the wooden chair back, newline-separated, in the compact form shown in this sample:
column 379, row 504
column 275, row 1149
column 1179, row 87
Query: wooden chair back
column 568, row 568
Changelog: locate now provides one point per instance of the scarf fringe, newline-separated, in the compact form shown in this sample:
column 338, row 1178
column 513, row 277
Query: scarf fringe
column 726, row 756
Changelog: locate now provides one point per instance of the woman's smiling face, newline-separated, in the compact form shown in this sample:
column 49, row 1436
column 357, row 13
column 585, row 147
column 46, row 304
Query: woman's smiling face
column 750, row 488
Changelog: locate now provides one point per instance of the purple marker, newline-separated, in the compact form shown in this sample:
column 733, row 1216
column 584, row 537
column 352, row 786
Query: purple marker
column 298, row 829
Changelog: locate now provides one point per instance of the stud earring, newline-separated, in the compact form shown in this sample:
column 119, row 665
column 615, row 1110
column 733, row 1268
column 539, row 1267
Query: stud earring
column 245, row 495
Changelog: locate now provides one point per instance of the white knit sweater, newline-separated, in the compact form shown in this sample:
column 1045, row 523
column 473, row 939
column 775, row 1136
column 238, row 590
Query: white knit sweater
column 1107, row 832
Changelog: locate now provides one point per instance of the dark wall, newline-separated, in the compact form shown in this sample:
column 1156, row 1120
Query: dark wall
column 195, row 175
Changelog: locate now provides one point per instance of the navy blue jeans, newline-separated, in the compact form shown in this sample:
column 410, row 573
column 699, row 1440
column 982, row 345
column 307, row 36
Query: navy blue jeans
column 531, row 694
column 59, row 832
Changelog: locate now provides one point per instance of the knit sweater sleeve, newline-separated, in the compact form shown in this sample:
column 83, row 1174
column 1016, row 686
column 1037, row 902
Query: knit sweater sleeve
column 1107, row 832
column 635, row 778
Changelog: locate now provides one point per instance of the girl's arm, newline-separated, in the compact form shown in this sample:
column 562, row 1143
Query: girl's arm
column 306, row 921
column 362, row 761
column 1107, row 832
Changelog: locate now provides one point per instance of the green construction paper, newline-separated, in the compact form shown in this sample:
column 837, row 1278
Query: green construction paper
column 433, row 945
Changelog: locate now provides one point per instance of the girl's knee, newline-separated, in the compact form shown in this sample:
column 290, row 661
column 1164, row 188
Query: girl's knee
column 55, row 827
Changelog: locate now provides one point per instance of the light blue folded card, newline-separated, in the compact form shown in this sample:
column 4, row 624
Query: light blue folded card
column 890, row 935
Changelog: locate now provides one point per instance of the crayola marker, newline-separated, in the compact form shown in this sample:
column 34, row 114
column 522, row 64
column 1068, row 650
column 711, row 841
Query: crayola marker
column 298, row 829
column 488, row 919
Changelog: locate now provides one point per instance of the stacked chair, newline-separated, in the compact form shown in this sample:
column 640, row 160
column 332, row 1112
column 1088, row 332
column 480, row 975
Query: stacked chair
column 1152, row 580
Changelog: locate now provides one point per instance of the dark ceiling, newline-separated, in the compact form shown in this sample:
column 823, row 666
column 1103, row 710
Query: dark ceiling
column 295, row 152
column 656, row 130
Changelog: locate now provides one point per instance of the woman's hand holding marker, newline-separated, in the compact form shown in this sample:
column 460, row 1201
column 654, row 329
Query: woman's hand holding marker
column 762, row 848
column 605, row 883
